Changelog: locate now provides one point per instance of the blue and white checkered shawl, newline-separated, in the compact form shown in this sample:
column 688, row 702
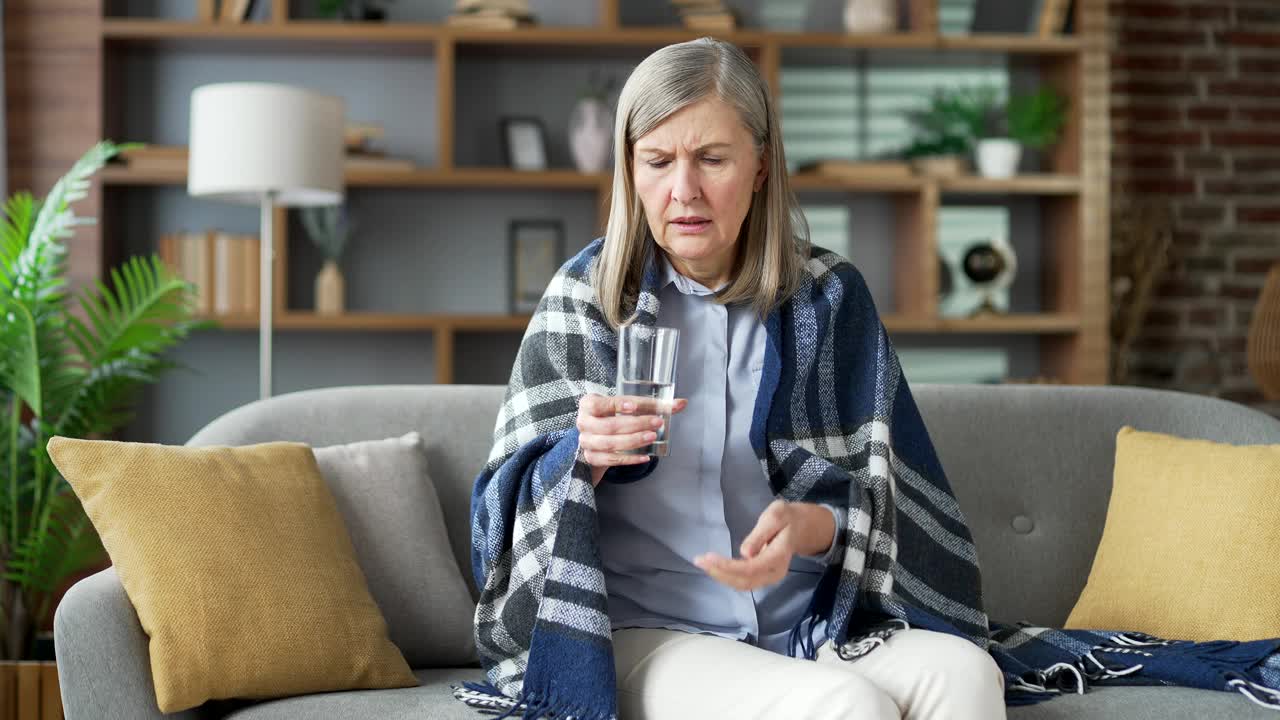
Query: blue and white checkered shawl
column 834, row 423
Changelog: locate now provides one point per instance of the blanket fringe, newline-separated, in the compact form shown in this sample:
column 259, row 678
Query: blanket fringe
column 1257, row 694
column 487, row 698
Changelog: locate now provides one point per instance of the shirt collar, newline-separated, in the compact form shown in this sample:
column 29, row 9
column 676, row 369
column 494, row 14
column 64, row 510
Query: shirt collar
column 670, row 276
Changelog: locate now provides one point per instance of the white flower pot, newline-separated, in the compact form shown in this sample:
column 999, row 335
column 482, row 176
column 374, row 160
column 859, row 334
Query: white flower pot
column 590, row 134
column 998, row 157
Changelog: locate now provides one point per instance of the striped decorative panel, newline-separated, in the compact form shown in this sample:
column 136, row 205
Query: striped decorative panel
column 856, row 111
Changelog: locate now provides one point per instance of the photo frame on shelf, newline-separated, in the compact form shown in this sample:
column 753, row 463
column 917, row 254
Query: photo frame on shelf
column 536, row 252
column 524, row 142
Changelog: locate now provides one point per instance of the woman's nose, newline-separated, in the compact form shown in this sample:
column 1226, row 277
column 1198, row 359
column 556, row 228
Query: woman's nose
column 686, row 188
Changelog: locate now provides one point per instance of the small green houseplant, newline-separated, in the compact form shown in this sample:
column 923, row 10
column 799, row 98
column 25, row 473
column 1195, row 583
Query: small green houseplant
column 65, row 372
column 330, row 228
column 947, row 128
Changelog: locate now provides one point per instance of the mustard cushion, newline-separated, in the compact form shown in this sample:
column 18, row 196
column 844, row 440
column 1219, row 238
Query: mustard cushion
column 239, row 566
column 1190, row 543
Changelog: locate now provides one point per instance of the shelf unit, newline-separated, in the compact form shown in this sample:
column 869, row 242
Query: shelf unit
column 1072, row 331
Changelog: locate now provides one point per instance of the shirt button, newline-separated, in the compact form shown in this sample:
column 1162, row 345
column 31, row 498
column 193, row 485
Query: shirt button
column 1023, row 524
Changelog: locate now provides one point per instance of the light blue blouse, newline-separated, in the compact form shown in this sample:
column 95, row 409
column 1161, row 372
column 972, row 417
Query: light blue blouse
column 706, row 495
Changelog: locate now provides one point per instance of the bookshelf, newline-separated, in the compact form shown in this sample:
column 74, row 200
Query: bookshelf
column 1069, row 330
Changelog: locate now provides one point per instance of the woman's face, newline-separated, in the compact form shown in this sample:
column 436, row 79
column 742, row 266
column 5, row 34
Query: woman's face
column 695, row 174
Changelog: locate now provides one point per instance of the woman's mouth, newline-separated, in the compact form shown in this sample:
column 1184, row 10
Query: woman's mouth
column 691, row 225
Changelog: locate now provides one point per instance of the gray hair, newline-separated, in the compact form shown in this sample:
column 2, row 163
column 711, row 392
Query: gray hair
column 773, row 245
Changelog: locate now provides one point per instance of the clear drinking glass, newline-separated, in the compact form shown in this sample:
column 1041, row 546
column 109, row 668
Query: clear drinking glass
column 647, row 370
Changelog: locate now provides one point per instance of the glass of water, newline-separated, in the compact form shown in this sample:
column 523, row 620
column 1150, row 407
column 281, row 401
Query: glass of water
column 647, row 372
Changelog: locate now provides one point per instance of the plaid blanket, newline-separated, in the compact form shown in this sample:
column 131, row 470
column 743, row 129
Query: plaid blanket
column 834, row 423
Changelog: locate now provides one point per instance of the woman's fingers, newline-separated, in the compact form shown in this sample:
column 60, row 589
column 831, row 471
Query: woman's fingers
column 595, row 458
column 770, row 523
column 615, row 443
column 608, row 406
column 743, row 573
column 618, row 425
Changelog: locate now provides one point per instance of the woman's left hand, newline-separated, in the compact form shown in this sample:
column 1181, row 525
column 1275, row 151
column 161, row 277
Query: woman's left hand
column 783, row 530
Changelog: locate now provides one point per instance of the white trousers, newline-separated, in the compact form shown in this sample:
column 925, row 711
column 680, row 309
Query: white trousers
column 915, row 675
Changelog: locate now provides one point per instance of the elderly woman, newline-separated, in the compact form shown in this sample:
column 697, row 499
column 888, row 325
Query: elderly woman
column 798, row 513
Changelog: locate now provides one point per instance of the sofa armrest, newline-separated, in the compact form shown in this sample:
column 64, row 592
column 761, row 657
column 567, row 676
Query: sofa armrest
column 104, row 669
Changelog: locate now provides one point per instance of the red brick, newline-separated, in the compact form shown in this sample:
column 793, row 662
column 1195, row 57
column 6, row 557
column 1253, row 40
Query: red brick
column 1235, row 344
column 1147, row 161
column 1257, row 164
column 1209, row 12
column 1208, row 114
column 1259, row 213
column 1162, row 138
column 1179, row 287
column 1206, row 317
column 1206, row 64
column 1160, row 63
column 1202, row 213
column 1255, row 265
column 1132, row 37
column 1265, row 64
column 1245, row 138
column 1241, row 187
column 1163, row 186
column 1225, row 240
column 1249, row 16
column 1147, row 113
column 1162, row 317
column 1244, row 88
column 1205, row 373
column 1203, row 162
column 1149, row 10
column 1204, row 263
column 1146, row 343
column 1155, row 88
column 1241, row 38
column 1258, row 114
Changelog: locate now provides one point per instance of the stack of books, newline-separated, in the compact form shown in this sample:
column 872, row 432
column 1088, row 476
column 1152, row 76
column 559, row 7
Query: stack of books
column 706, row 15
column 491, row 14
column 171, row 159
column 362, row 156
column 224, row 268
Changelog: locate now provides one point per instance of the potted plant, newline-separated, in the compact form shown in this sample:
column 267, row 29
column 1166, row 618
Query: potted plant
column 591, row 125
column 1031, row 120
column 65, row 372
column 329, row 228
column 366, row 10
column 946, row 128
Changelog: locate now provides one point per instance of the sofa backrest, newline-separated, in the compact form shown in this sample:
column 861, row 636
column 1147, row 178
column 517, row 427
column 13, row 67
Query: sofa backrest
column 1031, row 465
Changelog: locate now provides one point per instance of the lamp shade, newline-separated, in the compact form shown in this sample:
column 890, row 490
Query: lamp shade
column 248, row 139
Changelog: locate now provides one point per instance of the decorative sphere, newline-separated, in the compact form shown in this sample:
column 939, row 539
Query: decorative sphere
column 983, row 263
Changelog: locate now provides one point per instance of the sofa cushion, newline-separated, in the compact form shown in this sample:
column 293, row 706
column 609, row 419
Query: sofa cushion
column 239, row 567
column 1189, row 543
column 433, row 698
column 1144, row 703
column 389, row 504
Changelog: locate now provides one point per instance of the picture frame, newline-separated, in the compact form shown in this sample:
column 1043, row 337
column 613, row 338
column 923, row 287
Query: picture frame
column 524, row 142
column 536, row 251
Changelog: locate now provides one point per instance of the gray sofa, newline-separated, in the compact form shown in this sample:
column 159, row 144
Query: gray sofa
column 1031, row 466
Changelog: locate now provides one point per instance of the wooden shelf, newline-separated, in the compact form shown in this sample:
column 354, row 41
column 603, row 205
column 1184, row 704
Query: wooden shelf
column 376, row 322
column 494, row 178
column 1029, row 184
column 1028, row 323
column 373, row 34
column 502, row 178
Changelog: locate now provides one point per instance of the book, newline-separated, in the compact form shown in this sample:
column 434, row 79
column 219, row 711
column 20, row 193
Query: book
column 207, row 10
column 487, row 22
column 156, row 157
column 250, row 264
column 360, row 162
column 514, row 7
column 235, row 11
column 225, row 301
column 1053, row 17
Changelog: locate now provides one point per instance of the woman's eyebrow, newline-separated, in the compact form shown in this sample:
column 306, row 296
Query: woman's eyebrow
column 651, row 149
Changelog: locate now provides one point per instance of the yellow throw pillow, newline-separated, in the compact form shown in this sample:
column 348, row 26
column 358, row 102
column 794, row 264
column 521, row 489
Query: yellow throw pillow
column 239, row 566
column 1191, row 540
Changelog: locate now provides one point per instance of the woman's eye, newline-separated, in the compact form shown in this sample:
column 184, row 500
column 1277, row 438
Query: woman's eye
column 658, row 164
column 711, row 160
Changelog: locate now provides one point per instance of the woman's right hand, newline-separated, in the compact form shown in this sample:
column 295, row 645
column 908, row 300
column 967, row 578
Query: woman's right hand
column 602, row 432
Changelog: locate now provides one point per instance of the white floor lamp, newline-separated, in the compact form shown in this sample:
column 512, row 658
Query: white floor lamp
column 268, row 145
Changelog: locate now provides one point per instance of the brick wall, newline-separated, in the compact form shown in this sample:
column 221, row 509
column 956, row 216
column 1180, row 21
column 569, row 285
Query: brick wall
column 1196, row 119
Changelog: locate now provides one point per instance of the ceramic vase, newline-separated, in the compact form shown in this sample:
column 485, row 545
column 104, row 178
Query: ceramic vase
column 590, row 134
column 870, row 16
column 330, row 290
